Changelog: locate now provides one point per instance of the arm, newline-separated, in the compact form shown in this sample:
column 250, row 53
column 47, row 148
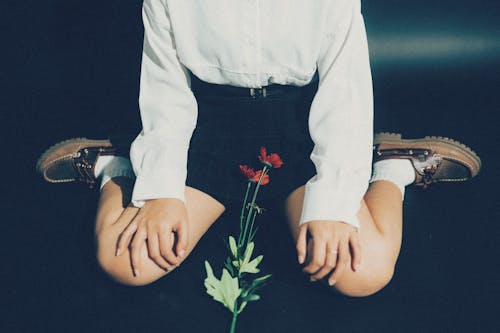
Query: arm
column 159, row 153
column 341, row 127
column 168, row 113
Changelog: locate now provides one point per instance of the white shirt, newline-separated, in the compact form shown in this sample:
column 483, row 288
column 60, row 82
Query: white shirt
column 255, row 43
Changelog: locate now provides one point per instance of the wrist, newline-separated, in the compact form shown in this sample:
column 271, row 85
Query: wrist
column 163, row 202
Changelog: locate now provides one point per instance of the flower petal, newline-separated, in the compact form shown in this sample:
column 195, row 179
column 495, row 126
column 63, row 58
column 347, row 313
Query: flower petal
column 247, row 171
column 275, row 160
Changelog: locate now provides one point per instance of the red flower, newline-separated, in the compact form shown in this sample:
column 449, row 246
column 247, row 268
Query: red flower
column 265, row 179
column 254, row 176
column 273, row 160
column 248, row 172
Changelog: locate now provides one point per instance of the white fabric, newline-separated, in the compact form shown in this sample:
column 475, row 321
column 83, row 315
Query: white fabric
column 101, row 163
column 398, row 171
column 255, row 43
column 108, row 167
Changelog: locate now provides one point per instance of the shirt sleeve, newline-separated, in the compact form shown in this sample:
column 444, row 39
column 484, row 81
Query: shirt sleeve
column 341, row 122
column 168, row 112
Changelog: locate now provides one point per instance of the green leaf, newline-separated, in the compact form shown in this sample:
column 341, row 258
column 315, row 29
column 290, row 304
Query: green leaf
column 230, row 290
column 225, row 290
column 258, row 283
column 232, row 246
column 251, row 298
column 261, row 279
column 245, row 265
column 248, row 252
column 242, row 306
column 212, row 284
column 229, row 266
column 251, row 267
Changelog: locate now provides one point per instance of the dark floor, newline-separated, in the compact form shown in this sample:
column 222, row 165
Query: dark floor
column 75, row 73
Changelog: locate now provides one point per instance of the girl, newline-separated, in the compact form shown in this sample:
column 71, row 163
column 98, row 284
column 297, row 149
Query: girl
column 221, row 78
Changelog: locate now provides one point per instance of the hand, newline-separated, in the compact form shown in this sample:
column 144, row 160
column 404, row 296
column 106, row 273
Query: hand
column 156, row 222
column 328, row 249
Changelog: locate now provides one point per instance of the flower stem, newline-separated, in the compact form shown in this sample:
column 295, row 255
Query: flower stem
column 233, row 322
column 252, row 204
column 251, row 227
column 252, row 235
column 242, row 215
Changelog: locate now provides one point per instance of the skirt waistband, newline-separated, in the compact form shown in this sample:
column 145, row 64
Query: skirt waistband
column 203, row 88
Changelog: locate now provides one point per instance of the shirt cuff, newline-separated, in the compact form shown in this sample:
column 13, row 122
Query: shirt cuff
column 330, row 205
column 156, row 187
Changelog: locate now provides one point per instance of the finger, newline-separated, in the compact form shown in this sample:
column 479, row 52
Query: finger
column 136, row 250
column 356, row 252
column 126, row 236
column 166, row 247
column 302, row 244
column 182, row 240
column 318, row 257
column 128, row 214
column 342, row 261
column 154, row 251
column 330, row 262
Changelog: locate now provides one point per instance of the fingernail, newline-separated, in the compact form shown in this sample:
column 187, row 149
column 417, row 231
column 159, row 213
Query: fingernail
column 137, row 273
column 182, row 253
column 117, row 252
column 331, row 283
column 301, row 259
column 313, row 279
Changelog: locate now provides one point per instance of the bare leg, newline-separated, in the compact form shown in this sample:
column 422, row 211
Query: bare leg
column 114, row 214
column 380, row 217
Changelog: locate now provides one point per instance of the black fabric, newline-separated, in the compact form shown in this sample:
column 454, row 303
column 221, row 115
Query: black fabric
column 232, row 126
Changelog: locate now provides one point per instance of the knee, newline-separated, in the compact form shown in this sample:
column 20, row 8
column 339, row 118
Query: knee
column 119, row 268
column 121, row 272
column 365, row 284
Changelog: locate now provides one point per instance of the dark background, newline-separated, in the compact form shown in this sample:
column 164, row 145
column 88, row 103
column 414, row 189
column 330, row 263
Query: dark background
column 71, row 68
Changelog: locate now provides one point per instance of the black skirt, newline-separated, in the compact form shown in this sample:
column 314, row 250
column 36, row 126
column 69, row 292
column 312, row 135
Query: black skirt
column 233, row 123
